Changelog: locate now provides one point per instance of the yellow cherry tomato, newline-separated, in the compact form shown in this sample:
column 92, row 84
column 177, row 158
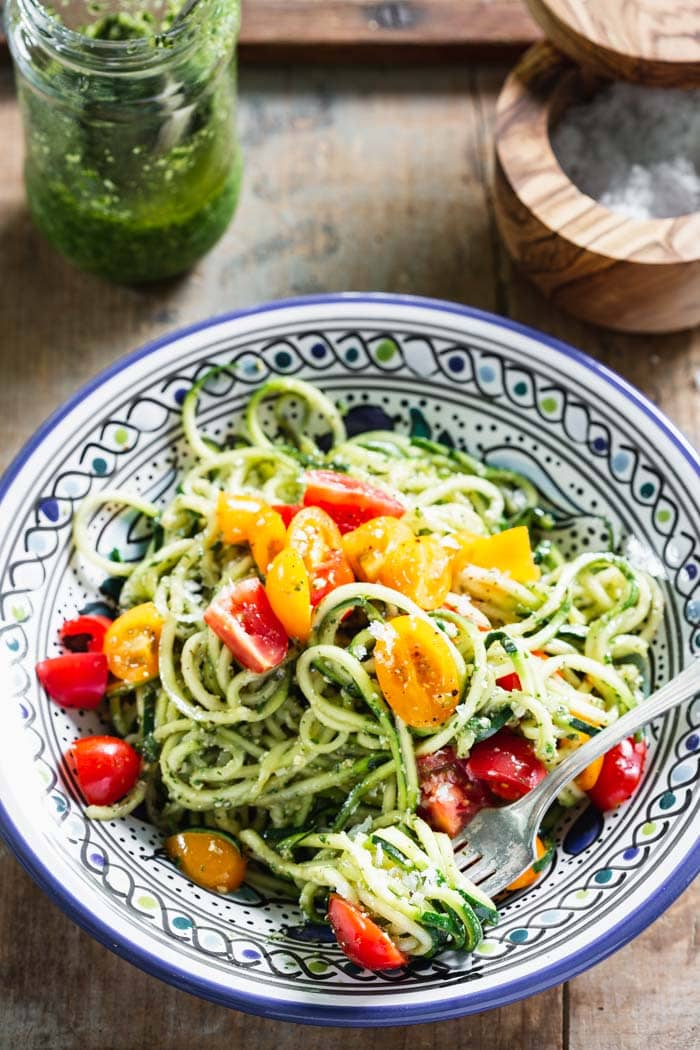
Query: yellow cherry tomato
column 131, row 643
column 316, row 538
column 289, row 592
column 416, row 672
column 508, row 551
column 267, row 537
column 529, row 876
column 367, row 547
column 586, row 780
column 212, row 859
column 421, row 569
column 235, row 514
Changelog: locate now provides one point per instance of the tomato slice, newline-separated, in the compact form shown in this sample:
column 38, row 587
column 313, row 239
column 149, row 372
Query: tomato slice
column 287, row 511
column 367, row 547
column 416, row 671
column 363, row 941
column 107, row 768
column 210, row 858
column 509, row 682
column 508, row 764
column 75, row 679
column 420, row 568
column 620, row 774
column 242, row 617
column 131, row 643
column 316, row 537
column 449, row 798
column 288, row 588
column 85, row 634
column 349, row 501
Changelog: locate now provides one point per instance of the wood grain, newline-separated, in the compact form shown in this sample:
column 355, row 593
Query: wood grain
column 341, row 31
column 648, row 41
column 356, row 178
column 633, row 275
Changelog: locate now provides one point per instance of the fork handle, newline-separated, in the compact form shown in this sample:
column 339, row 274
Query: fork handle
column 680, row 688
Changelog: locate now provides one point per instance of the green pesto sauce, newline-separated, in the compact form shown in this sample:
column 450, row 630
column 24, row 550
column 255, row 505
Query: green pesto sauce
column 125, row 186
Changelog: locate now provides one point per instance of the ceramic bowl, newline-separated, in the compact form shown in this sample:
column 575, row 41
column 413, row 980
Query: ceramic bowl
column 597, row 450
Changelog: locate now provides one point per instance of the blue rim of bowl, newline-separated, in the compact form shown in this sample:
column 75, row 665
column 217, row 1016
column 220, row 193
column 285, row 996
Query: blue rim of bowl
column 318, row 1013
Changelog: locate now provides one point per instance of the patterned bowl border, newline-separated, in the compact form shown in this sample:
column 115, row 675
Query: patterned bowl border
column 456, row 362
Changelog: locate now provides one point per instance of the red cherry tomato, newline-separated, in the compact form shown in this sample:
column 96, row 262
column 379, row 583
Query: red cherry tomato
column 242, row 617
column 347, row 500
column 328, row 574
column 508, row 764
column 74, row 679
column 107, row 768
column 449, row 798
column 509, row 682
column 85, row 634
column 622, row 770
column 286, row 511
column 364, row 943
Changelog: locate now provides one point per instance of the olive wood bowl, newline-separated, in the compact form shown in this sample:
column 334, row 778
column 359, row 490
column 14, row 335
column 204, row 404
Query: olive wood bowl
column 629, row 274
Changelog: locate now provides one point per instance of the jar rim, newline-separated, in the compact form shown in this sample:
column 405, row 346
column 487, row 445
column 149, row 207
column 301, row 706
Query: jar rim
column 74, row 46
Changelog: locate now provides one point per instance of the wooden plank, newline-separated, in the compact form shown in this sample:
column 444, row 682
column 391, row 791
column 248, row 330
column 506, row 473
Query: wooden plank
column 419, row 22
column 324, row 31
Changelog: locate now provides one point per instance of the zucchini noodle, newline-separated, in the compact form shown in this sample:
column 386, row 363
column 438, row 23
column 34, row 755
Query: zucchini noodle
column 307, row 763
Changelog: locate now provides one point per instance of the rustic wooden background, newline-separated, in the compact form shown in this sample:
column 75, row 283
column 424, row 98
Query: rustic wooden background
column 360, row 178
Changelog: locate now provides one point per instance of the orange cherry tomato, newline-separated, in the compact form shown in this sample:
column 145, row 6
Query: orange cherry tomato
column 316, row 538
column 131, row 643
column 267, row 537
column 530, row 875
column 212, row 859
column 235, row 514
column 367, row 547
column 421, row 569
column 416, row 672
column 289, row 591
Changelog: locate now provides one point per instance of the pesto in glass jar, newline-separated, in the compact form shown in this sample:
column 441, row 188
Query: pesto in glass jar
column 132, row 163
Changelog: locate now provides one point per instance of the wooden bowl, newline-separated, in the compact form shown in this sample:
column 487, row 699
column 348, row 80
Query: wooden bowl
column 630, row 274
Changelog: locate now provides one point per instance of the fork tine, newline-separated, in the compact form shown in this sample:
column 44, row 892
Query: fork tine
column 483, row 869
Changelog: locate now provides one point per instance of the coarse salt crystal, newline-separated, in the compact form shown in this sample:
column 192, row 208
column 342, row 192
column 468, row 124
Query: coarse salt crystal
column 636, row 149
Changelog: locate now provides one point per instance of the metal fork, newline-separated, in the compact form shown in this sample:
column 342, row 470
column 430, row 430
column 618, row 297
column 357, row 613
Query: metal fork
column 498, row 845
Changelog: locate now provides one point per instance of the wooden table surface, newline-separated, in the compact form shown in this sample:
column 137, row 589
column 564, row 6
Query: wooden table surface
column 358, row 179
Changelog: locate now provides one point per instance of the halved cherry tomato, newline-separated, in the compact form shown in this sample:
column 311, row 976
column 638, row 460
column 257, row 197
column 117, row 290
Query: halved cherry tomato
column 529, row 875
column 75, row 679
column 131, row 643
column 449, row 798
column 107, row 768
column 316, row 537
column 509, row 551
column 622, row 770
column 508, row 764
column 267, row 538
column 288, row 588
column 85, row 634
column 349, row 501
column 509, row 682
column 287, row 511
column 247, row 519
column 210, row 858
column 363, row 941
column 367, row 547
column 587, row 780
column 235, row 513
column 242, row 617
column 416, row 672
column 420, row 568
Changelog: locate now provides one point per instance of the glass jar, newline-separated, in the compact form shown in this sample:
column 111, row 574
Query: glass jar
column 132, row 163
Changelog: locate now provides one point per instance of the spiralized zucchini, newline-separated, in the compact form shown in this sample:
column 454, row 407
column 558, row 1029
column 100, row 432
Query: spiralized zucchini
column 307, row 764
